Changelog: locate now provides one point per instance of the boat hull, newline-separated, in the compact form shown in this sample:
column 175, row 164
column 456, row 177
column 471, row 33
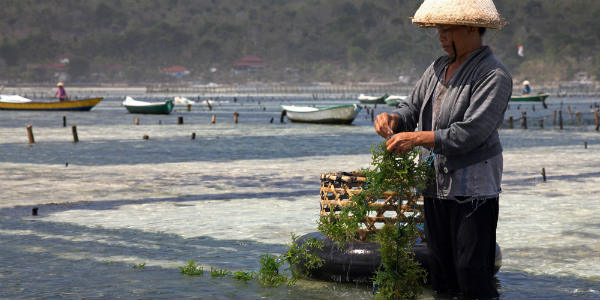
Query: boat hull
column 380, row 100
column 157, row 109
column 529, row 98
column 74, row 105
column 343, row 114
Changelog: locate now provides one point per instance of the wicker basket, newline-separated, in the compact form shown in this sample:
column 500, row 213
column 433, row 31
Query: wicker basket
column 338, row 188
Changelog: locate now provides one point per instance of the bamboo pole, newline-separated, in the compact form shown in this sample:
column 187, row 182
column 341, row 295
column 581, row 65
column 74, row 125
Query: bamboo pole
column 560, row 120
column 30, row 134
column 283, row 114
column 75, row 136
column 597, row 118
column 544, row 174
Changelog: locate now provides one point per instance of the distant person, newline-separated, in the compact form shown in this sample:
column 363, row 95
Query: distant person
column 526, row 88
column 61, row 93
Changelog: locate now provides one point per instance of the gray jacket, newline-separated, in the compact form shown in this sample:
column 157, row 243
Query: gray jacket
column 473, row 110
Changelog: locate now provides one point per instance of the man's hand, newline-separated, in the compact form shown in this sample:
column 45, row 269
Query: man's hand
column 404, row 141
column 384, row 123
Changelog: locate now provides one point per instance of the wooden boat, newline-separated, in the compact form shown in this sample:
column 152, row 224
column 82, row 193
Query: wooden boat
column 393, row 100
column 143, row 107
column 529, row 98
column 341, row 114
column 16, row 104
column 372, row 99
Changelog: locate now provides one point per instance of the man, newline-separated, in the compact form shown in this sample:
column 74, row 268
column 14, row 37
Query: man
column 60, row 92
column 526, row 88
column 456, row 109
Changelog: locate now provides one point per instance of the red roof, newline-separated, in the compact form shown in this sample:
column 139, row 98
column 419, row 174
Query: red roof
column 175, row 69
column 249, row 61
column 56, row 66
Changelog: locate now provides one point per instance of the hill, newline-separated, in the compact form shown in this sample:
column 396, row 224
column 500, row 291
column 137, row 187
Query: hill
column 297, row 41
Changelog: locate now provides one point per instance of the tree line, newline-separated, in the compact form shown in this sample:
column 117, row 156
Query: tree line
column 300, row 40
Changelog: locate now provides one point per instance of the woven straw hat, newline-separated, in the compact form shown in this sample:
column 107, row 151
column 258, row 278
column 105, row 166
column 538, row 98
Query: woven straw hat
column 476, row 13
column 526, row 82
column 59, row 84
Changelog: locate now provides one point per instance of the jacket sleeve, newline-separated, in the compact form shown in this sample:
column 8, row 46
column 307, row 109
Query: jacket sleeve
column 409, row 109
column 485, row 113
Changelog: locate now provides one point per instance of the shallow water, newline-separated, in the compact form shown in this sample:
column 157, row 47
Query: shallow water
column 237, row 191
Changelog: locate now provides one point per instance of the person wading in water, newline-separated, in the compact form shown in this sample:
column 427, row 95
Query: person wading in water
column 453, row 114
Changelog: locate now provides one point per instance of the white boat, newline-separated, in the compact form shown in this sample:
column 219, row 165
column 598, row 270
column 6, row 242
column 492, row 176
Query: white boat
column 143, row 107
column 182, row 101
column 394, row 100
column 341, row 114
column 13, row 99
column 372, row 99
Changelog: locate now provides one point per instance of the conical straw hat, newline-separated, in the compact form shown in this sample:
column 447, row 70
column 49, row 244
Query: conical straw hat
column 476, row 13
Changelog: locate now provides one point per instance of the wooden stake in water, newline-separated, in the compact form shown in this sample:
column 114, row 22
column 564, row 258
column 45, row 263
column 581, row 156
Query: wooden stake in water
column 541, row 123
column 283, row 114
column 145, row 137
column 271, row 121
column 136, row 121
column 560, row 120
column 570, row 113
column 189, row 107
column 597, row 118
column 64, row 121
column 585, row 145
column 544, row 174
column 235, row 117
column 524, row 120
column 75, row 137
column 554, row 118
column 180, row 120
column 578, row 114
column 30, row 134
column 510, row 122
column 193, row 135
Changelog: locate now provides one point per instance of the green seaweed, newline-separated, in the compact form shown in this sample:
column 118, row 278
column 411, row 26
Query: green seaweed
column 399, row 276
column 192, row 269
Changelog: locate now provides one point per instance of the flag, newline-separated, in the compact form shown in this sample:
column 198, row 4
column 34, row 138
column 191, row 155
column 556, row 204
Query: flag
column 520, row 51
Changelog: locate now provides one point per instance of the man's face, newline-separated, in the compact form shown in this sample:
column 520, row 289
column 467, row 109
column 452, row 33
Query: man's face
column 447, row 34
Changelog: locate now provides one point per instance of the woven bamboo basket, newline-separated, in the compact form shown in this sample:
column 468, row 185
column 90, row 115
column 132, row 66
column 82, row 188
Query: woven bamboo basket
column 338, row 188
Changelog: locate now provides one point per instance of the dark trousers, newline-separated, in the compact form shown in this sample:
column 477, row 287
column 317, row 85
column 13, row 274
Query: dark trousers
column 462, row 240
